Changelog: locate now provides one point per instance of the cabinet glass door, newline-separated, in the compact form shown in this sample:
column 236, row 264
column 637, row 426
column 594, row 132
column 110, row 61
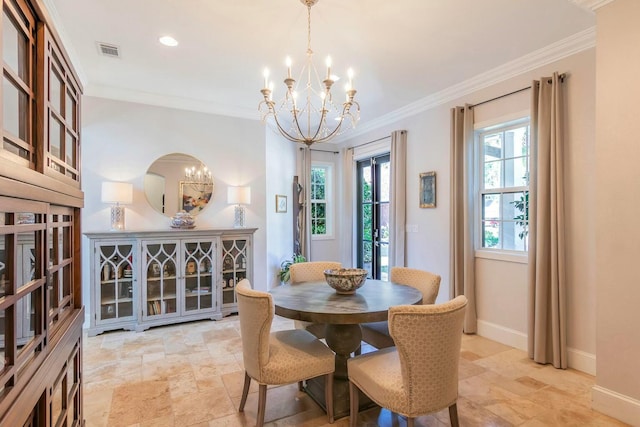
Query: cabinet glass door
column 160, row 290
column 198, row 271
column 115, row 297
column 234, row 267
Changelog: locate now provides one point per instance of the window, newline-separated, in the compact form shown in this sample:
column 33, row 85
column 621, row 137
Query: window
column 504, row 186
column 321, row 213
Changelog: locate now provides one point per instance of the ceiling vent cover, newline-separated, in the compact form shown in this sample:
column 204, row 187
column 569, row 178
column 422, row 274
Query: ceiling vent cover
column 109, row 50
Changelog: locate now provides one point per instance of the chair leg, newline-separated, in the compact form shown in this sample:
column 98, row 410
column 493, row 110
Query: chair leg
column 300, row 385
column 358, row 351
column 453, row 415
column 410, row 421
column 245, row 391
column 262, row 403
column 353, row 397
column 328, row 395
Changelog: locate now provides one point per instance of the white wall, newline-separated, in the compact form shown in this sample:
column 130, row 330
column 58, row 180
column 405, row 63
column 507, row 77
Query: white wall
column 120, row 140
column 501, row 286
column 280, row 169
column 617, row 390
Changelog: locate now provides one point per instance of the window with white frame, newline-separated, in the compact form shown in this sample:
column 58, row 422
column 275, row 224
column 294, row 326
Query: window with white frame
column 503, row 186
column 321, row 209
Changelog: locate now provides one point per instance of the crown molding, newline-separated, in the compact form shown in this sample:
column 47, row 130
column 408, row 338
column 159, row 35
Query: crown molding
column 571, row 45
column 166, row 101
column 591, row 4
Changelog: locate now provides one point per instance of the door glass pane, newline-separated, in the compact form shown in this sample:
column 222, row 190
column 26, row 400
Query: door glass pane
column 384, row 170
column 3, row 326
column 383, row 224
column 366, row 184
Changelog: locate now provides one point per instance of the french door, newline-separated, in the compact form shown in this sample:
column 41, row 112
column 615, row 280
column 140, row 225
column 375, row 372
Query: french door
column 373, row 180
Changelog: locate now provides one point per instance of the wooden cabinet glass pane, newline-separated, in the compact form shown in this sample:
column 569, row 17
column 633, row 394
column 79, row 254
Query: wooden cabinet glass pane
column 54, row 137
column 70, row 111
column 57, row 401
column 55, row 91
column 70, row 149
column 4, row 275
column 26, row 310
column 234, row 267
column 14, row 47
column 14, row 113
column 26, row 258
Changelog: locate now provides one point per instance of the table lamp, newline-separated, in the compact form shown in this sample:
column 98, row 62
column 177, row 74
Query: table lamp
column 239, row 196
column 118, row 193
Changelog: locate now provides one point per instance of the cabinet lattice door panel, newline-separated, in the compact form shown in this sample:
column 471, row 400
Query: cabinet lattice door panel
column 160, row 290
column 235, row 267
column 199, row 283
column 116, row 266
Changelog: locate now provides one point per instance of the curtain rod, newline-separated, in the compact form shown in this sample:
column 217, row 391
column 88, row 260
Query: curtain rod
column 561, row 76
column 322, row 151
column 371, row 142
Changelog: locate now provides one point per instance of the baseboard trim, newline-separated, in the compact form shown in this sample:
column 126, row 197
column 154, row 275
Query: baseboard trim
column 502, row 335
column 577, row 359
column 616, row 405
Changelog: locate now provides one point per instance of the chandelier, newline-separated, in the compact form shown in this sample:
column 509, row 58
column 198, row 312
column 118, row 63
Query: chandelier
column 198, row 176
column 308, row 113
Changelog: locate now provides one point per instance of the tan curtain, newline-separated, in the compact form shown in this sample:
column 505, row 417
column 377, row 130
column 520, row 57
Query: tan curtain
column 398, row 202
column 346, row 210
column 547, row 287
column 305, row 230
column 462, row 274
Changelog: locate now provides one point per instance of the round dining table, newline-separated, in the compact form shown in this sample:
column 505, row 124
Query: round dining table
column 342, row 315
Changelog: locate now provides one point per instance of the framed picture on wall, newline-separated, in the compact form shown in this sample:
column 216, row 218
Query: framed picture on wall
column 194, row 196
column 281, row 203
column 428, row 190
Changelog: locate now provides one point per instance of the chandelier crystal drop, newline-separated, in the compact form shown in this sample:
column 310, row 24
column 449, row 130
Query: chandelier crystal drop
column 308, row 113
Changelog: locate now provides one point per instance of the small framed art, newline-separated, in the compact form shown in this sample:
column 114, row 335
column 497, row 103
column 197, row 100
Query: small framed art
column 428, row 190
column 281, row 203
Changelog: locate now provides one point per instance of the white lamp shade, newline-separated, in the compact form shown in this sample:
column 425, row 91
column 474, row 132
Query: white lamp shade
column 117, row 192
column 239, row 195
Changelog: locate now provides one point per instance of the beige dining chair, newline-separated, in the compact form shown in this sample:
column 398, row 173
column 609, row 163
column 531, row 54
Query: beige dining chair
column 311, row 271
column 275, row 358
column 419, row 375
column 377, row 333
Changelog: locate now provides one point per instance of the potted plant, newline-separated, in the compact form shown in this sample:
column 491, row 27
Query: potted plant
column 283, row 274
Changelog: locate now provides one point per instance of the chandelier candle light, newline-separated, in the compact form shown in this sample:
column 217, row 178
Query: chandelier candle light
column 317, row 118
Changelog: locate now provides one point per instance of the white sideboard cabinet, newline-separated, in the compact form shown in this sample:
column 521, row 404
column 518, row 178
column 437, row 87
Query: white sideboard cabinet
column 141, row 279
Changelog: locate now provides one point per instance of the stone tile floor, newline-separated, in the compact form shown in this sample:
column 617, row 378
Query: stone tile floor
column 191, row 375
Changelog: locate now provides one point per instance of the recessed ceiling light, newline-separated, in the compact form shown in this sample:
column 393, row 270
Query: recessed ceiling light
column 168, row 41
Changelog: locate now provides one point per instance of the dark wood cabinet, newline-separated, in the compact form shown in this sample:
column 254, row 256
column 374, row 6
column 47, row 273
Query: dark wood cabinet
column 41, row 311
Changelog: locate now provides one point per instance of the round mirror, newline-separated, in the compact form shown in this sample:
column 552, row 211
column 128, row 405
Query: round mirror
column 178, row 182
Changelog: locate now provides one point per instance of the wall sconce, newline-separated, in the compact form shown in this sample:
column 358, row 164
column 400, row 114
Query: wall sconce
column 117, row 193
column 239, row 196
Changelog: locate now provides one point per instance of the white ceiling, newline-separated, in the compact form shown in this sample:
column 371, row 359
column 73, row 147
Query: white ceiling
column 402, row 51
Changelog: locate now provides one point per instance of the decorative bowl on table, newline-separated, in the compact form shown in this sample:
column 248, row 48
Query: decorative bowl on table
column 183, row 219
column 345, row 280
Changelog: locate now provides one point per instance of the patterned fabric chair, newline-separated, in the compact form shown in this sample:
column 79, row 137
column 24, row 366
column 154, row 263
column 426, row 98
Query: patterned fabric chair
column 310, row 272
column 282, row 357
column 377, row 333
column 419, row 375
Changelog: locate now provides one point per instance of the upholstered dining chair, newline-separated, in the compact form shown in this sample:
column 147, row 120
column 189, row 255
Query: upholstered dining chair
column 282, row 357
column 310, row 271
column 419, row 375
column 377, row 333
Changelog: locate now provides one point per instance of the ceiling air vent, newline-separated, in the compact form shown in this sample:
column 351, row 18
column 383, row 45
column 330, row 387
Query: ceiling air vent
column 109, row 50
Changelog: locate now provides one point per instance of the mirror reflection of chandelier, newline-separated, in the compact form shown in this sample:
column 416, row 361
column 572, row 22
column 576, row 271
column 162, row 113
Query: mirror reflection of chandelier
column 308, row 113
column 198, row 176
column 199, row 180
